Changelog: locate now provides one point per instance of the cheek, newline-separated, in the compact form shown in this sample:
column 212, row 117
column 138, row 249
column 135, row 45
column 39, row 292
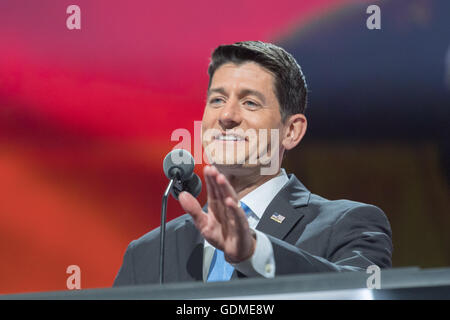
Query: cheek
column 209, row 131
column 209, row 118
column 268, row 128
column 206, row 121
column 256, row 120
column 262, row 121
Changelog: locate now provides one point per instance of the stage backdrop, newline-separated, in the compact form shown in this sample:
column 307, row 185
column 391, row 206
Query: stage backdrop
column 86, row 118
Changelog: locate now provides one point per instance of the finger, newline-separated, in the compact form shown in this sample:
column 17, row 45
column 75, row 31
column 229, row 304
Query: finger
column 191, row 206
column 214, row 205
column 212, row 193
column 217, row 186
column 214, row 176
column 235, row 210
column 225, row 191
column 225, row 187
column 219, row 208
column 231, row 203
column 228, row 214
column 239, row 223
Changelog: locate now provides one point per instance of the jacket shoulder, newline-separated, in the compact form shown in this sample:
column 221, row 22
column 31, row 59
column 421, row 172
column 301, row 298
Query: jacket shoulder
column 171, row 226
column 338, row 209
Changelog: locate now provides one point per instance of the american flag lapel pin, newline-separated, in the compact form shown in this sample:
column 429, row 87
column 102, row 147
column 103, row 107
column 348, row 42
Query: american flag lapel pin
column 277, row 217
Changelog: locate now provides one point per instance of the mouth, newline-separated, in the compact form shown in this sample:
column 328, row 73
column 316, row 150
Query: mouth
column 229, row 137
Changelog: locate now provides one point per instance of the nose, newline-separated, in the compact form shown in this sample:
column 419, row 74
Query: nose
column 230, row 115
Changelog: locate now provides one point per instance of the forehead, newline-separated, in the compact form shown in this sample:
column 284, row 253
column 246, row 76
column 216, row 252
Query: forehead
column 248, row 74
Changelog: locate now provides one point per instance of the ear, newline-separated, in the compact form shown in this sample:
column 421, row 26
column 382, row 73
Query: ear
column 294, row 130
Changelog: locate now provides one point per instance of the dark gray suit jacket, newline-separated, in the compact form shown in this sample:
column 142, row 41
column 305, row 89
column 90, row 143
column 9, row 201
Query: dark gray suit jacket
column 317, row 235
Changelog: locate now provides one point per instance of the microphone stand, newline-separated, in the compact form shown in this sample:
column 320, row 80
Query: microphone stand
column 175, row 186
column 162, row 235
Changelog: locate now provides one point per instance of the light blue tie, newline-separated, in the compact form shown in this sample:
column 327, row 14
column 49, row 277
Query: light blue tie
column 220, row 270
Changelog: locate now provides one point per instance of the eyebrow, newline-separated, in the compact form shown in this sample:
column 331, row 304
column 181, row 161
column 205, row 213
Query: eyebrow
column 242, row 93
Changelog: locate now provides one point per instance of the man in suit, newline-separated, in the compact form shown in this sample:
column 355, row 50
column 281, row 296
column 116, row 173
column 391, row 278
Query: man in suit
column 258, row 221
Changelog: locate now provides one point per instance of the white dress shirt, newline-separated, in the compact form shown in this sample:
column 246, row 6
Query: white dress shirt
column 262, row 262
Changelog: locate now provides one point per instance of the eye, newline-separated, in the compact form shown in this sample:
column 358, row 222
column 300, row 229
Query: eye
column 216, row 101
column 251, row 104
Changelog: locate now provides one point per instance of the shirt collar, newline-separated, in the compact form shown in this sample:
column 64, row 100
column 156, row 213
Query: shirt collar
column 259, row 199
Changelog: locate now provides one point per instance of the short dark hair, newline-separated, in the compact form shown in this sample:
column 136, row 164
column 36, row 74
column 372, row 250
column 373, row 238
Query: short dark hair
column 290, row 85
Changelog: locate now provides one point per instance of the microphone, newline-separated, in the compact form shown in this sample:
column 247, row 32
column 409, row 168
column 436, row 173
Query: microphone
column 178, row 166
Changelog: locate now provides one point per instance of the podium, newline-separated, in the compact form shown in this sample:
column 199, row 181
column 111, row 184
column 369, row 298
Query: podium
column 396, row 283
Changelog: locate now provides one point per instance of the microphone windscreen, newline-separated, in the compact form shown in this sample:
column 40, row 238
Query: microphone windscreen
column 178, row 160
column 193, row 186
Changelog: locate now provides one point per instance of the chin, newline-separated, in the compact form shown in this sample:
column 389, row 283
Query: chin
column 236, row 169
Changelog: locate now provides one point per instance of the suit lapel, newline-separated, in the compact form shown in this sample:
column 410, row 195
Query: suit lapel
column 286, row 206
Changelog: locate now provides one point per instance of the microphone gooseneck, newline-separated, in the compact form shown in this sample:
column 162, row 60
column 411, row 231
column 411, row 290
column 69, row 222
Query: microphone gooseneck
column 163, row 230
column 178, row 166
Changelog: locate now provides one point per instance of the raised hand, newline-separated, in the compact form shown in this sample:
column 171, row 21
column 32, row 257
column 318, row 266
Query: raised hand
column 225, row 226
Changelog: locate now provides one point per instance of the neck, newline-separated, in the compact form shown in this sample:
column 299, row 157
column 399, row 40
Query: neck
column 246, row 180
